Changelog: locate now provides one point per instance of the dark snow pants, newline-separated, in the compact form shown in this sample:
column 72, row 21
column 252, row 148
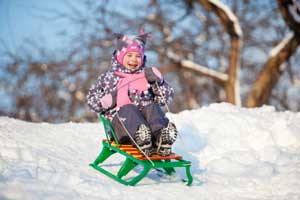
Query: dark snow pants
column 129, row 118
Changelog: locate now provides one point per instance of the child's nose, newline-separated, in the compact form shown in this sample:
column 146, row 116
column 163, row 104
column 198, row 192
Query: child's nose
column 134, row 58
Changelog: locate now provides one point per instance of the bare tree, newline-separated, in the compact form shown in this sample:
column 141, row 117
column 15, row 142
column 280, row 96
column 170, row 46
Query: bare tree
column 269, row 76
column 230, row 79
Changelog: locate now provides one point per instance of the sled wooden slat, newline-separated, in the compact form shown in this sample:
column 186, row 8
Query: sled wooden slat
column 138, row 156
column 127, row 148
column 133, row 158
column 134, row 151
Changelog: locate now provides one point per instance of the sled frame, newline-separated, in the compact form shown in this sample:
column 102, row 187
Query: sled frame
column 133, row 158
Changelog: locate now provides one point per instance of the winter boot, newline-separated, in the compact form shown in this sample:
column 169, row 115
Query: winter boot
column 165, row 139
column 143, row 139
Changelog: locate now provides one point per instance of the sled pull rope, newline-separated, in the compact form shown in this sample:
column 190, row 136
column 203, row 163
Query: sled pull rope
column 133, row 140
column 168, row 109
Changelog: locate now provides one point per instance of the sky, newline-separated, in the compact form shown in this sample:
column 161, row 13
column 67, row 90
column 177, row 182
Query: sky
column 33, row 19
column 236, row 154
column 20, row 20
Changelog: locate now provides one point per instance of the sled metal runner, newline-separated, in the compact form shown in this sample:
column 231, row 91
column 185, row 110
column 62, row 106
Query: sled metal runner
column 133, row 158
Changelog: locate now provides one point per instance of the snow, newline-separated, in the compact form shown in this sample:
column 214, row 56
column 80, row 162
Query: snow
column 236, row 153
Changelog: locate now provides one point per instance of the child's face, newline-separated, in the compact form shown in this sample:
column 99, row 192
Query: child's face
column 132, row 60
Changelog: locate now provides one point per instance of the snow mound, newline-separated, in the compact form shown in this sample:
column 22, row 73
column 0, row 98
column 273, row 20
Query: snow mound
column 236, row 153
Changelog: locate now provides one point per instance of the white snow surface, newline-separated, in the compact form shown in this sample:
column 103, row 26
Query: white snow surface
column 236, row 153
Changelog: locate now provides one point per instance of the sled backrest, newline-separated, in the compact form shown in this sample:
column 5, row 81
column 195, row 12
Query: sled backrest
column 108, row 129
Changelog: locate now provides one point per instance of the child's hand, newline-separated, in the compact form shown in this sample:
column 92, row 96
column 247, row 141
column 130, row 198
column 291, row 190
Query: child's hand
column 108, row 100
column 153, row 75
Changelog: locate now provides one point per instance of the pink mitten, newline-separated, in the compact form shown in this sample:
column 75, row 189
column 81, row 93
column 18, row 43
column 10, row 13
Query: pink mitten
column 108, row 101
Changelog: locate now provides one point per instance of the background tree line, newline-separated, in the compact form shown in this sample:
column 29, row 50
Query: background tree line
column 242, row 52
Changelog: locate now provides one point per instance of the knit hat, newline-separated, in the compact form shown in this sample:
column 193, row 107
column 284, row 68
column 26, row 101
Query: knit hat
column 128, row 43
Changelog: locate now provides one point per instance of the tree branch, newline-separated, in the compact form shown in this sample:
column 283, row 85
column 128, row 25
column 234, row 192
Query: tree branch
column 272, row 70
column 219, row 77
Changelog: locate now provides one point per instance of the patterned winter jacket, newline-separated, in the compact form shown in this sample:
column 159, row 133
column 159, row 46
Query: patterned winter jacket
column 107, row 83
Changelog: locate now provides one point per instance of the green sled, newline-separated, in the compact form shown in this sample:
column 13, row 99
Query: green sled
column 134, row 158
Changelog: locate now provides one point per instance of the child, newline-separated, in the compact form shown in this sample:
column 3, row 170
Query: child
column 129, row 95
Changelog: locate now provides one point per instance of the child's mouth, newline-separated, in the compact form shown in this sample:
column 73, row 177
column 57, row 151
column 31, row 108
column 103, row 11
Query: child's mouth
column 133, row 66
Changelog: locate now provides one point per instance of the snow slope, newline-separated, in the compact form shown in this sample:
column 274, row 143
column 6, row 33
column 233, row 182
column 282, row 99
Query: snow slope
column 236, row 153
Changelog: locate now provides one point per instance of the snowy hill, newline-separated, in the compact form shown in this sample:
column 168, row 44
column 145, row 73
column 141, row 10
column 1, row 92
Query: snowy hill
column 236, row 153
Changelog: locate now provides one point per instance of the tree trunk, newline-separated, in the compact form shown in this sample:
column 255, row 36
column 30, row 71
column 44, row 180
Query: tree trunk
column 233, row 85
column 231, row 25
column 290, row 12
